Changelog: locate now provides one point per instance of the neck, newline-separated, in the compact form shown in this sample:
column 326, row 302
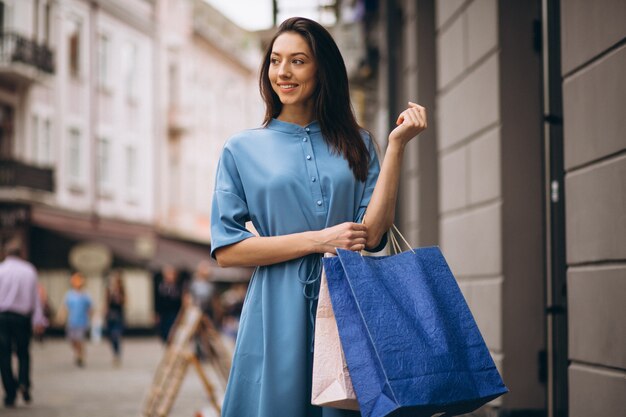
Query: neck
column 300, row 114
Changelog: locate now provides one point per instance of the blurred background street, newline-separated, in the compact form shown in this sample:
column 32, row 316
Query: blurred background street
column 61, row 389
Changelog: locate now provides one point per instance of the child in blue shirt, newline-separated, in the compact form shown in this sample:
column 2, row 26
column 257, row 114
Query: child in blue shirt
column 79, row 309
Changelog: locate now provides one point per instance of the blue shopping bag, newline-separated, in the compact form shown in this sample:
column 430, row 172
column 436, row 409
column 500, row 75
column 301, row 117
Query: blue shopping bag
column 410, row 341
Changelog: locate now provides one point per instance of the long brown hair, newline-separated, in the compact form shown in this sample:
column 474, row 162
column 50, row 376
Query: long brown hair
column 332, row 96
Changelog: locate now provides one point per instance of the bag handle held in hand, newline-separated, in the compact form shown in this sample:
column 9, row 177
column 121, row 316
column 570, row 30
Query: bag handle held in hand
column 395, row 244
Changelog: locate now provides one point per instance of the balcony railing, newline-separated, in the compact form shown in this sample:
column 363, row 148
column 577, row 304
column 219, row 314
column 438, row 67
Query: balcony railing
column 18, row 174
column 15, row 48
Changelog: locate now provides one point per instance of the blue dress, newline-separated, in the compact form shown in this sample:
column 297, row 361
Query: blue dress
column 285, row 179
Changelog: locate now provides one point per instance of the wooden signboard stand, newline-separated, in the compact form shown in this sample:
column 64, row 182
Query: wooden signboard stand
column 168, row 378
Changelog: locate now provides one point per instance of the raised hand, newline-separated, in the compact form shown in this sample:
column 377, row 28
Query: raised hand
column 411, row 122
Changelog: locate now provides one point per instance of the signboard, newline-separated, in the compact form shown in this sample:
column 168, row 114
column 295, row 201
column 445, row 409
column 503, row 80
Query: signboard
column 90, row 257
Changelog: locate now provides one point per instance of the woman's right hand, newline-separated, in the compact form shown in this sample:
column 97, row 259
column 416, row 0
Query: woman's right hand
column 348, row 235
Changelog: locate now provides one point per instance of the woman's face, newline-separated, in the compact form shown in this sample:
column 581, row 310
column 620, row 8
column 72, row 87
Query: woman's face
column 292, row 70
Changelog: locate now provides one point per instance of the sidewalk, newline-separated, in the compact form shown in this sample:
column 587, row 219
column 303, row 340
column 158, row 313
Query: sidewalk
column 60, row 389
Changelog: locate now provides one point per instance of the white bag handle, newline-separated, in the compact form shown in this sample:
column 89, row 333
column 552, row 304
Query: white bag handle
column 395, row 245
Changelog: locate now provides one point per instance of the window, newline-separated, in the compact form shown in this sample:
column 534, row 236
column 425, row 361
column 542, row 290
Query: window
column 34, row 135
column 42, row 140
column 103, row 60
column 129, row 69
column 131, row 168
column 1, row 16
column 6, row 130
column 73, row 47
column 173, row 85
column 74, row 166
column 46, row 142
column 104, row 162
column 47, row 23
column 6, row 16
column 189, row 187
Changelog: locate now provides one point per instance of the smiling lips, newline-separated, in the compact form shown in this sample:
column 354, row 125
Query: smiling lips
column 287, row 87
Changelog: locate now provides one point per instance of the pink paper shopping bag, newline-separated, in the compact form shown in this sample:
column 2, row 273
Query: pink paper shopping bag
column 332, row 386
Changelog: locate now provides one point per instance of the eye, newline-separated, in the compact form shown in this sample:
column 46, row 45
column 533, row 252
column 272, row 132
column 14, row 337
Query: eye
column 297, row 62
column 274, row 61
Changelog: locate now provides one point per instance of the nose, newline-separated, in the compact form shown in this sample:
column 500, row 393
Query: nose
column 284, row 71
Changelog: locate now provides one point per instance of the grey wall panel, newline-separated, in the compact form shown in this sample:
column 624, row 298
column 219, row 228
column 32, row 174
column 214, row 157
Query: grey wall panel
column 471, row 105
column 450, row 53
column 445, row 9
column 484, row 167
column 472, row 242
column 593, row 104
column 595, row 212
column 588, row 28
column 597, row 332
column 453, row 178
column 482, row 29
column 484, row 298
column 521, row 154
column 596, row 392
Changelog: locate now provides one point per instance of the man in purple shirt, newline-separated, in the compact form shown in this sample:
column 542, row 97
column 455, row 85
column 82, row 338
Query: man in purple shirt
column 20, row 312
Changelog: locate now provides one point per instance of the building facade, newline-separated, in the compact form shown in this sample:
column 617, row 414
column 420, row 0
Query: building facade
column 86, row 128
column 520, row 180
column 209, row 91
column 113, row 115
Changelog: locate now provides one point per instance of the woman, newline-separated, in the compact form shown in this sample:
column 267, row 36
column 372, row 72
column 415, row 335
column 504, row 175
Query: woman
column 114, row 316
column 168, row 301
column 304, row 180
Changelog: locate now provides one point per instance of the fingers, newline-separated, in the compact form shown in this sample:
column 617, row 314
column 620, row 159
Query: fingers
column 355, row 237
column 415, row 112
column 355, row 226
column 421, row 112
column 358, row 248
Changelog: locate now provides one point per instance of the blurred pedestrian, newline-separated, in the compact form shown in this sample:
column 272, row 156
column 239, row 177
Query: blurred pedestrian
column 232, row 302
column 79, row 310
column 204, row 293
column 20, row 314
column 46, row 308
column 168, row 300
column 115, row 301
column 305, row 179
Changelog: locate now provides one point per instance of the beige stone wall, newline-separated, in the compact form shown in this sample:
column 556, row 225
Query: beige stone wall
column 490, row 190
column 490, row 180
column 594, row 92
column 468, row 139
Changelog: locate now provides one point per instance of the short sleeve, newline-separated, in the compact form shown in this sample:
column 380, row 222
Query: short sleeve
column 370, row 183
column 229, row 210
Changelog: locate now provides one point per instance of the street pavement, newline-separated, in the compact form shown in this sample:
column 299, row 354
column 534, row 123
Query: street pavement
column 61, row 389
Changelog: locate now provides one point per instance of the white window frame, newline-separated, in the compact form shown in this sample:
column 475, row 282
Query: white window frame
column 77, row 20
column 47, row 135
column 105, row 166
column 129, row 58
column 35, row 132
column 74, row 158
column 105, row 83
column 131, row 171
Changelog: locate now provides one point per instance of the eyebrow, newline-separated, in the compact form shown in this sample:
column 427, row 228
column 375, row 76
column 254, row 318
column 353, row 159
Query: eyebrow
column 294, row 54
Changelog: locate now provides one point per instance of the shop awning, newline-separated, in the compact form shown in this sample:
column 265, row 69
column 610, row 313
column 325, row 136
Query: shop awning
column 135, row 244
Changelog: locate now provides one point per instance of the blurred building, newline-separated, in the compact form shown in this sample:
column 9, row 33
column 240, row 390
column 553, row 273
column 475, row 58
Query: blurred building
column 209, row 91
column 520, row 179
column 111, row 125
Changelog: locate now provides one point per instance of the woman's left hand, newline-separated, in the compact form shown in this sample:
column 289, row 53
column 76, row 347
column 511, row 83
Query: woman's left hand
column 411, row 122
